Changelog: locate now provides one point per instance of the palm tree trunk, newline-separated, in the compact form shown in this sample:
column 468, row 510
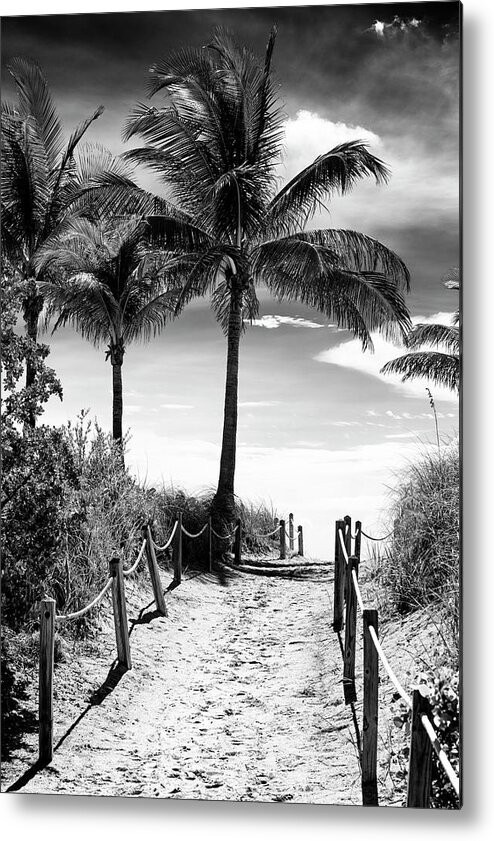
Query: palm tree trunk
column 116, row 352
column 32, row 306
column 117, row 402
column 223, row 505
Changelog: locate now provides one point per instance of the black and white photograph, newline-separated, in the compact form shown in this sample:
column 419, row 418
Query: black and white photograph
column 231, row 369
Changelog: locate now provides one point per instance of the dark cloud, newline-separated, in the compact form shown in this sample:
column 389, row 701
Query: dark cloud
column 428, row 252
column 328, row 43
column 401, row 85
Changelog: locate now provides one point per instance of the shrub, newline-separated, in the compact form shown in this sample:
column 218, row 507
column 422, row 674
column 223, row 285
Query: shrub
column 38, row 476
column 442, row 691
column 421, row 567
column 17, row 669
column 104, row 515
column 168, row 502
column 445, row 702
column 258, row 520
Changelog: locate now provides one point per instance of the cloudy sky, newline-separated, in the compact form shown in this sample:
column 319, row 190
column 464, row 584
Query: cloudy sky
column 321, row 432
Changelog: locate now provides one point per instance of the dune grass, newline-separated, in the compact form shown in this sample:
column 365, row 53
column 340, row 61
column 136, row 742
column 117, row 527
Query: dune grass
column 420, row 571
column 421, row 567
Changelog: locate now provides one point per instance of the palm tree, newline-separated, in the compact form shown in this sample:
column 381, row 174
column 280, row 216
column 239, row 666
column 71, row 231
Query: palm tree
column 111, row 288
column 440, row 366
column 216, row 142
column 43, row 184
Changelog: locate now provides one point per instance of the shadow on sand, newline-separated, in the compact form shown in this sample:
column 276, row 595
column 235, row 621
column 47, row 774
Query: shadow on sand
column 113, row 678
column 111, row 681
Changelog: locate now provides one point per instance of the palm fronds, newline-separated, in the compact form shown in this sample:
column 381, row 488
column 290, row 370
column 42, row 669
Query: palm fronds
column 441, row 368
column 110, row 285
column 337, row 171
column 36, row 105
column 307, row 270
column 43, row 182
column 434, row 335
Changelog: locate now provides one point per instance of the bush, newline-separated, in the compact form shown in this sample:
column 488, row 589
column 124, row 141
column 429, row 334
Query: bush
column 17, row 670
column 442, row 691
column 168, row 502
column 38, row 476
column 257, row 521
column 72, row 505
column 445, row 702
column 421, row 567
column 105, row 513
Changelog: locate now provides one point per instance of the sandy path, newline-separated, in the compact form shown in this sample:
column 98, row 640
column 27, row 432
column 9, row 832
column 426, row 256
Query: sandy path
column 236, row 695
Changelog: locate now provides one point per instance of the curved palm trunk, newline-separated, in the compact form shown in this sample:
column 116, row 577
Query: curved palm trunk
column 116, row 353
column 32, row 306
column 223, row 506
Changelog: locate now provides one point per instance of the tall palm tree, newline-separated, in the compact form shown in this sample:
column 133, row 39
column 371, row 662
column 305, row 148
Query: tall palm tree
column 440, row 365
column 43, row 184
column 216, row 142
column 111, row 288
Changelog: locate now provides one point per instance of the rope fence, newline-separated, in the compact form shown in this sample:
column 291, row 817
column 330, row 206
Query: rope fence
column 49, row 617
column 377, row 539
column 286, row 536
column 347, row 598
column 79, row 613
column 116, row 583
column 424, row 740
column 133, row 568
column 168, row 542
column 267, row 534
column 224, row 536
column 193, row 536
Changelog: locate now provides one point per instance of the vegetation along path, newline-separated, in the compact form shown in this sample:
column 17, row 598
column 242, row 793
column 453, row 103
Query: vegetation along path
column 236, row 695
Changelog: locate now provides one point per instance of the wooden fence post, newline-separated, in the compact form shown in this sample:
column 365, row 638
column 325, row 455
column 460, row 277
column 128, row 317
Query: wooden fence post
column 350, row 634
column 46, row 659
column 347, row 532
column 300, row 540
column 237, row 543
column 177, row 552
column 358, row 539
column 120, row 613
column 282, row 541
column 210, row 544
column 339, row 579
column 420, row 763
column 154, row 572
column 370, row 712
column 291, row 533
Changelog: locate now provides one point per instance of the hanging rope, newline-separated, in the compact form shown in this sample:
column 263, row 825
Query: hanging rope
column 79, row 613
column 224, row 536
column 138, row 560
column 377, row 539
column 168, row 542
column 268, row 534
column 377, row 645
column 194, row 535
